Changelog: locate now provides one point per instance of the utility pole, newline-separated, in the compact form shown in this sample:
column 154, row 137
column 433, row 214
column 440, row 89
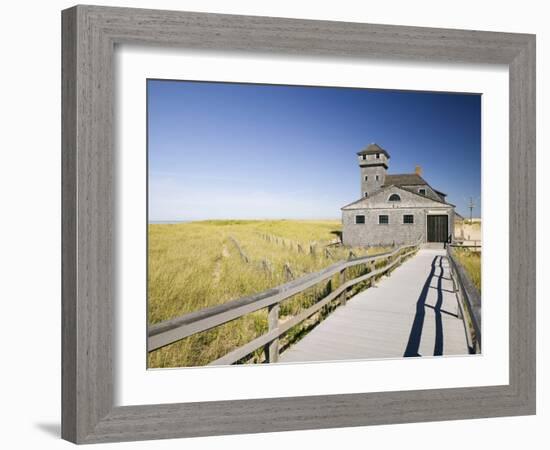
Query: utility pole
column 471, row 206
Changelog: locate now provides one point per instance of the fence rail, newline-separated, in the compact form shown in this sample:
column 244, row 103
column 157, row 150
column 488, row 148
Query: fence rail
column 469, row 300
column 475, row 246
column 170, row 331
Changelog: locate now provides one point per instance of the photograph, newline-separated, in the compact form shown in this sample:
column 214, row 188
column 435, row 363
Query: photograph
column 298, row 224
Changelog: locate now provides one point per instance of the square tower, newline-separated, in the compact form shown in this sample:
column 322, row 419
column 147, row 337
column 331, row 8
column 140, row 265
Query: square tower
column 373, row 163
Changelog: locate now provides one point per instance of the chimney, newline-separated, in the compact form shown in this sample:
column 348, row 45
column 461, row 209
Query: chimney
column 418, row 170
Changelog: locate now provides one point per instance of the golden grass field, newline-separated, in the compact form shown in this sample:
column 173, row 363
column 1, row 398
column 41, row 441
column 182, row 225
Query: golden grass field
column 471, row 261
column 195, row 265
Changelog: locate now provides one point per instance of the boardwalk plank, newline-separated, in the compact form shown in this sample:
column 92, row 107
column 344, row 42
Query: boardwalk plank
column 414, row 310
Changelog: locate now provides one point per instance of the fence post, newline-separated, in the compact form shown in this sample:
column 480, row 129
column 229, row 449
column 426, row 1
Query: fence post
column 343, row 295
column 372, row 269
column 289, row 275
column 244, row 256
column 272, row 349
column 313, row 249
column 267, row 266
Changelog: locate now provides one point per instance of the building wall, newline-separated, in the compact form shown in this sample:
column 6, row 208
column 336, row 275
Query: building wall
column 371, row 166
column 372, row 184
column 469, row 232
column 371, row 233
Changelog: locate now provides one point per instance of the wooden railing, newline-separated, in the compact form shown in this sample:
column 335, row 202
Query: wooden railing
column 469, row 300
column 170, row 331
column 475, row 246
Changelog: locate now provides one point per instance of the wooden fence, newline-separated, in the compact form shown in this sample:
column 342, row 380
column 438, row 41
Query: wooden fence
column 476, row 246
column 469, row 300
column 173, row 330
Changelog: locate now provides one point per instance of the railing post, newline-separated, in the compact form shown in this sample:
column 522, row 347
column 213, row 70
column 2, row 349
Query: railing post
column 272, row 349
column 343, row 295
column 456, row 287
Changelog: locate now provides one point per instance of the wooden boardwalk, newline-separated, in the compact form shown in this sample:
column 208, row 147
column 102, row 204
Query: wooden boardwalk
column 414, row 312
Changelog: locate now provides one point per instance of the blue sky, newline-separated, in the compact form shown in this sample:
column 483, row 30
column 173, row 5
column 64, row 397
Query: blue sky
column 245, row 151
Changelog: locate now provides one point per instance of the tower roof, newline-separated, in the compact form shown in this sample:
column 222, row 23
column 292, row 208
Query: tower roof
column 372, row 149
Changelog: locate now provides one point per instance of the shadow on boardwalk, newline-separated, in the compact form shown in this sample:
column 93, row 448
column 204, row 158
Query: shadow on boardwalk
column 418, row 324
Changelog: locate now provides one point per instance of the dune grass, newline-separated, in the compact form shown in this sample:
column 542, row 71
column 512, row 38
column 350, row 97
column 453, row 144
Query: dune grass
column 471, row 261
column 196, row 265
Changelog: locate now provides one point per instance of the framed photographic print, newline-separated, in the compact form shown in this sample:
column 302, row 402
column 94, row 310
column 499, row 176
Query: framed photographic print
column 278, row 224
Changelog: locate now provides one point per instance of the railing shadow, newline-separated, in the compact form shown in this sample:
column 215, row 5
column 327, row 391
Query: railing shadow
column 438, row 344
column 413, row 344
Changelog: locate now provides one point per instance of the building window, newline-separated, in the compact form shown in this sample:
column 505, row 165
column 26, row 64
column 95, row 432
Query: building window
column 394, row 198
column 359, row 220
column 364, row 157
column 408, row 218
column 366, row 194
column 376, row 177
column 366, row 178
column 383, row 219
column 378, row 156
column 422, row 191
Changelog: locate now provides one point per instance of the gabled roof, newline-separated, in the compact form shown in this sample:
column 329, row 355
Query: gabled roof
column 409, row 179
column 372, row 149
column 365, row 198
column 405, row 179
column 386, row 187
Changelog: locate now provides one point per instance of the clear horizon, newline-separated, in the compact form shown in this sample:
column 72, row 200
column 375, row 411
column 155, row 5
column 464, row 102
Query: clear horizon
column 268, row 152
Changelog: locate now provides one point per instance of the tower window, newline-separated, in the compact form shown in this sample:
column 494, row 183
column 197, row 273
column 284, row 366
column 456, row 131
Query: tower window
column 359, row 220
column 422, row 191
column 366, row 194
column 364, row 157
column 376, row 177
column 408, row 218
column 378, row 156
column 383, row 219
column 366, row 178
column 394, row 198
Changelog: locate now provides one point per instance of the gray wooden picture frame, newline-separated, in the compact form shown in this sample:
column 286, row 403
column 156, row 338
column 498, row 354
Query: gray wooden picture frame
column 90, row 34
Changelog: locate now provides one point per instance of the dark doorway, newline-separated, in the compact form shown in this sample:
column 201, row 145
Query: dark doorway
column 438, row 228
